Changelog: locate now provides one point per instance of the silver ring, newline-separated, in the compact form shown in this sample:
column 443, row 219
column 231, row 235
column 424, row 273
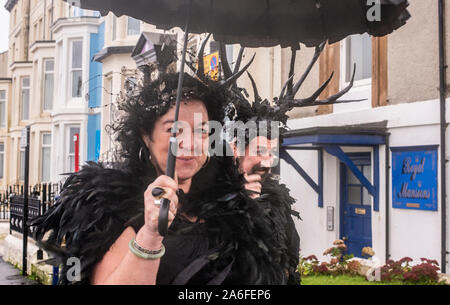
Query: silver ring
column 158, row 202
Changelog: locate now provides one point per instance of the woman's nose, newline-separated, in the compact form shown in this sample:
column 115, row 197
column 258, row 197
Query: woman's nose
column 187, row 143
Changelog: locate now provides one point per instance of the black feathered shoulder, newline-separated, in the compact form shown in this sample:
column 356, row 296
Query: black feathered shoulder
column 279, row 204
column 94, row 207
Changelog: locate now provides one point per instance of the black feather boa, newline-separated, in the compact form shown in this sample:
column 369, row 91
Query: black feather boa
column 98, row 203
column 278, row 203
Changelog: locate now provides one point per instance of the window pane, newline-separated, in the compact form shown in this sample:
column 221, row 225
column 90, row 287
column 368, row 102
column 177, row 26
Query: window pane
column 47, row 139
column 77, row 54
column 2, row 158
column 72, row 132
column 71, row 164
column 25, row 103
column 2, row 114
column 2, row 94
column 359, row 51
column 48, row 91
column 367, row 171
column 354, row 194
column 22, row 165
column 367, row 200
column 351, row 179
column 45, row 164
column 1, row 163
column 134, row 26
column 76, row 83
column 77, row 12
column 26, row 82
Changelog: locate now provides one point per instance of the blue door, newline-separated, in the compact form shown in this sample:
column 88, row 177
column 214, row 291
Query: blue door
column 356, row 210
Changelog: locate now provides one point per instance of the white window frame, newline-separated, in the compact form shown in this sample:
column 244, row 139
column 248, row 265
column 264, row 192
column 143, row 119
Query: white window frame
column 3, row 108
column 44, row 88
column 114, row 28
column 72, row 69
column 22, row 89
column 49, row 147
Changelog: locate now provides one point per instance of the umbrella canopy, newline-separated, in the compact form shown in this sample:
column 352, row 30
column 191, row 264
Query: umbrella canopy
column 264, row 23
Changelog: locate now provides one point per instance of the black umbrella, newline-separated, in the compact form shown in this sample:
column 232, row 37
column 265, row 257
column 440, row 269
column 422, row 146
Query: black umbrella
column 256, row 23
column 265, row 23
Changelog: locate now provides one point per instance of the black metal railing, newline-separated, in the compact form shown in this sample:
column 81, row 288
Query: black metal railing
column 4, row 206
column 40, row 198
column 16, row 214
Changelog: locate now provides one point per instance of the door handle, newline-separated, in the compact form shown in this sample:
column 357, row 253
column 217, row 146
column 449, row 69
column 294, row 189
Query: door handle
column 345, row 238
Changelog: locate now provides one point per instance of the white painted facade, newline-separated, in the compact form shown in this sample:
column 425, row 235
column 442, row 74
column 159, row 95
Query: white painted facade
column 70, row 112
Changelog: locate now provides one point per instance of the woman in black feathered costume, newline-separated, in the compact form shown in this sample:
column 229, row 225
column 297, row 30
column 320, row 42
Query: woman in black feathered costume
column 219, row 235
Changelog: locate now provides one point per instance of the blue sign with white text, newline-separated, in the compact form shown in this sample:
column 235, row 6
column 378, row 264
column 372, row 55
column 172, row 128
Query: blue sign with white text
column 414, row 177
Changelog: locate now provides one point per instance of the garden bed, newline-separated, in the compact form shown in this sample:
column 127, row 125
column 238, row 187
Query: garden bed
column 343, row 280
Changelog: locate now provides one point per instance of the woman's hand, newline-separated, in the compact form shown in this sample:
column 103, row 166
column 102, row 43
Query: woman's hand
column 253, row 185
column 148, row 236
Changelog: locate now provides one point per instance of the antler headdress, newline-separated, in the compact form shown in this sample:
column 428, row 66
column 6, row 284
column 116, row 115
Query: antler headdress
column 263, row 110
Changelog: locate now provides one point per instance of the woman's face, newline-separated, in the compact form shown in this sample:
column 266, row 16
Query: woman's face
column 192, row 138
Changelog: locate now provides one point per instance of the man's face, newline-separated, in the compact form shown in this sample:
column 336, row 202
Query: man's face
column 259, row 156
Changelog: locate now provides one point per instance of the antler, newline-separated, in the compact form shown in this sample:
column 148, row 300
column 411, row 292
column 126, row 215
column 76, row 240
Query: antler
column 255, row 91
column 232, row 79
column 293, row 89
column 201, row 67
column 289, row 104
column 237, row 65
column 226, row 67
column 291, row 69
column 224, row 60
column 316, row 56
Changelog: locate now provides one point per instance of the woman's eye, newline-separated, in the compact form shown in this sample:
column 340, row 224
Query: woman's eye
column 201, row 131
column 179, row 131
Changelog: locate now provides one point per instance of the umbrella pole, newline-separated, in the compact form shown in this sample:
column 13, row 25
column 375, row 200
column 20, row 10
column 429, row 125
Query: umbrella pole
column 163, row 219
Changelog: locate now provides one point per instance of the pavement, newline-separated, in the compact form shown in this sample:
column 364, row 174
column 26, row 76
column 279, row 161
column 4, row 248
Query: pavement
column 8, row 274
column 12, row 276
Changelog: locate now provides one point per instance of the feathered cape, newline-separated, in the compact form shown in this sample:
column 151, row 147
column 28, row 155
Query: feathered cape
column 98, row 203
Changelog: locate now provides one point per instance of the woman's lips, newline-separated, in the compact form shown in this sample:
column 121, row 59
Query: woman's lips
column 185, row 159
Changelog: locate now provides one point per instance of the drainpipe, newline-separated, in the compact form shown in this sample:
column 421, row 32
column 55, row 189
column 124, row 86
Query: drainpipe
column 387, row 167
column 443, row 94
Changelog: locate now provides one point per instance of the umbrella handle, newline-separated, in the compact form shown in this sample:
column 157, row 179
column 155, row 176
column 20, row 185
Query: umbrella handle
column 163, row 219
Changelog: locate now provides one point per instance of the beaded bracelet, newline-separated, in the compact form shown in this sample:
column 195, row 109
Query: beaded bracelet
column 141, row 252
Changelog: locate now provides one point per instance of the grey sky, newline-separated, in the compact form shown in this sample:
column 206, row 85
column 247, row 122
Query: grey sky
column 4, row 26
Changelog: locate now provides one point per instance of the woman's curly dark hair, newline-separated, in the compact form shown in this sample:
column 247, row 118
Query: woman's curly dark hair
column 140, row 111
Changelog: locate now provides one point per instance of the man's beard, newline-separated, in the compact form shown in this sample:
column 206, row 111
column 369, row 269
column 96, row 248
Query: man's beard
column 259, row 168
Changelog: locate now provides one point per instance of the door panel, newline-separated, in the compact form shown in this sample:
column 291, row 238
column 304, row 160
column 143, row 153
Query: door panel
column 356, row 209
